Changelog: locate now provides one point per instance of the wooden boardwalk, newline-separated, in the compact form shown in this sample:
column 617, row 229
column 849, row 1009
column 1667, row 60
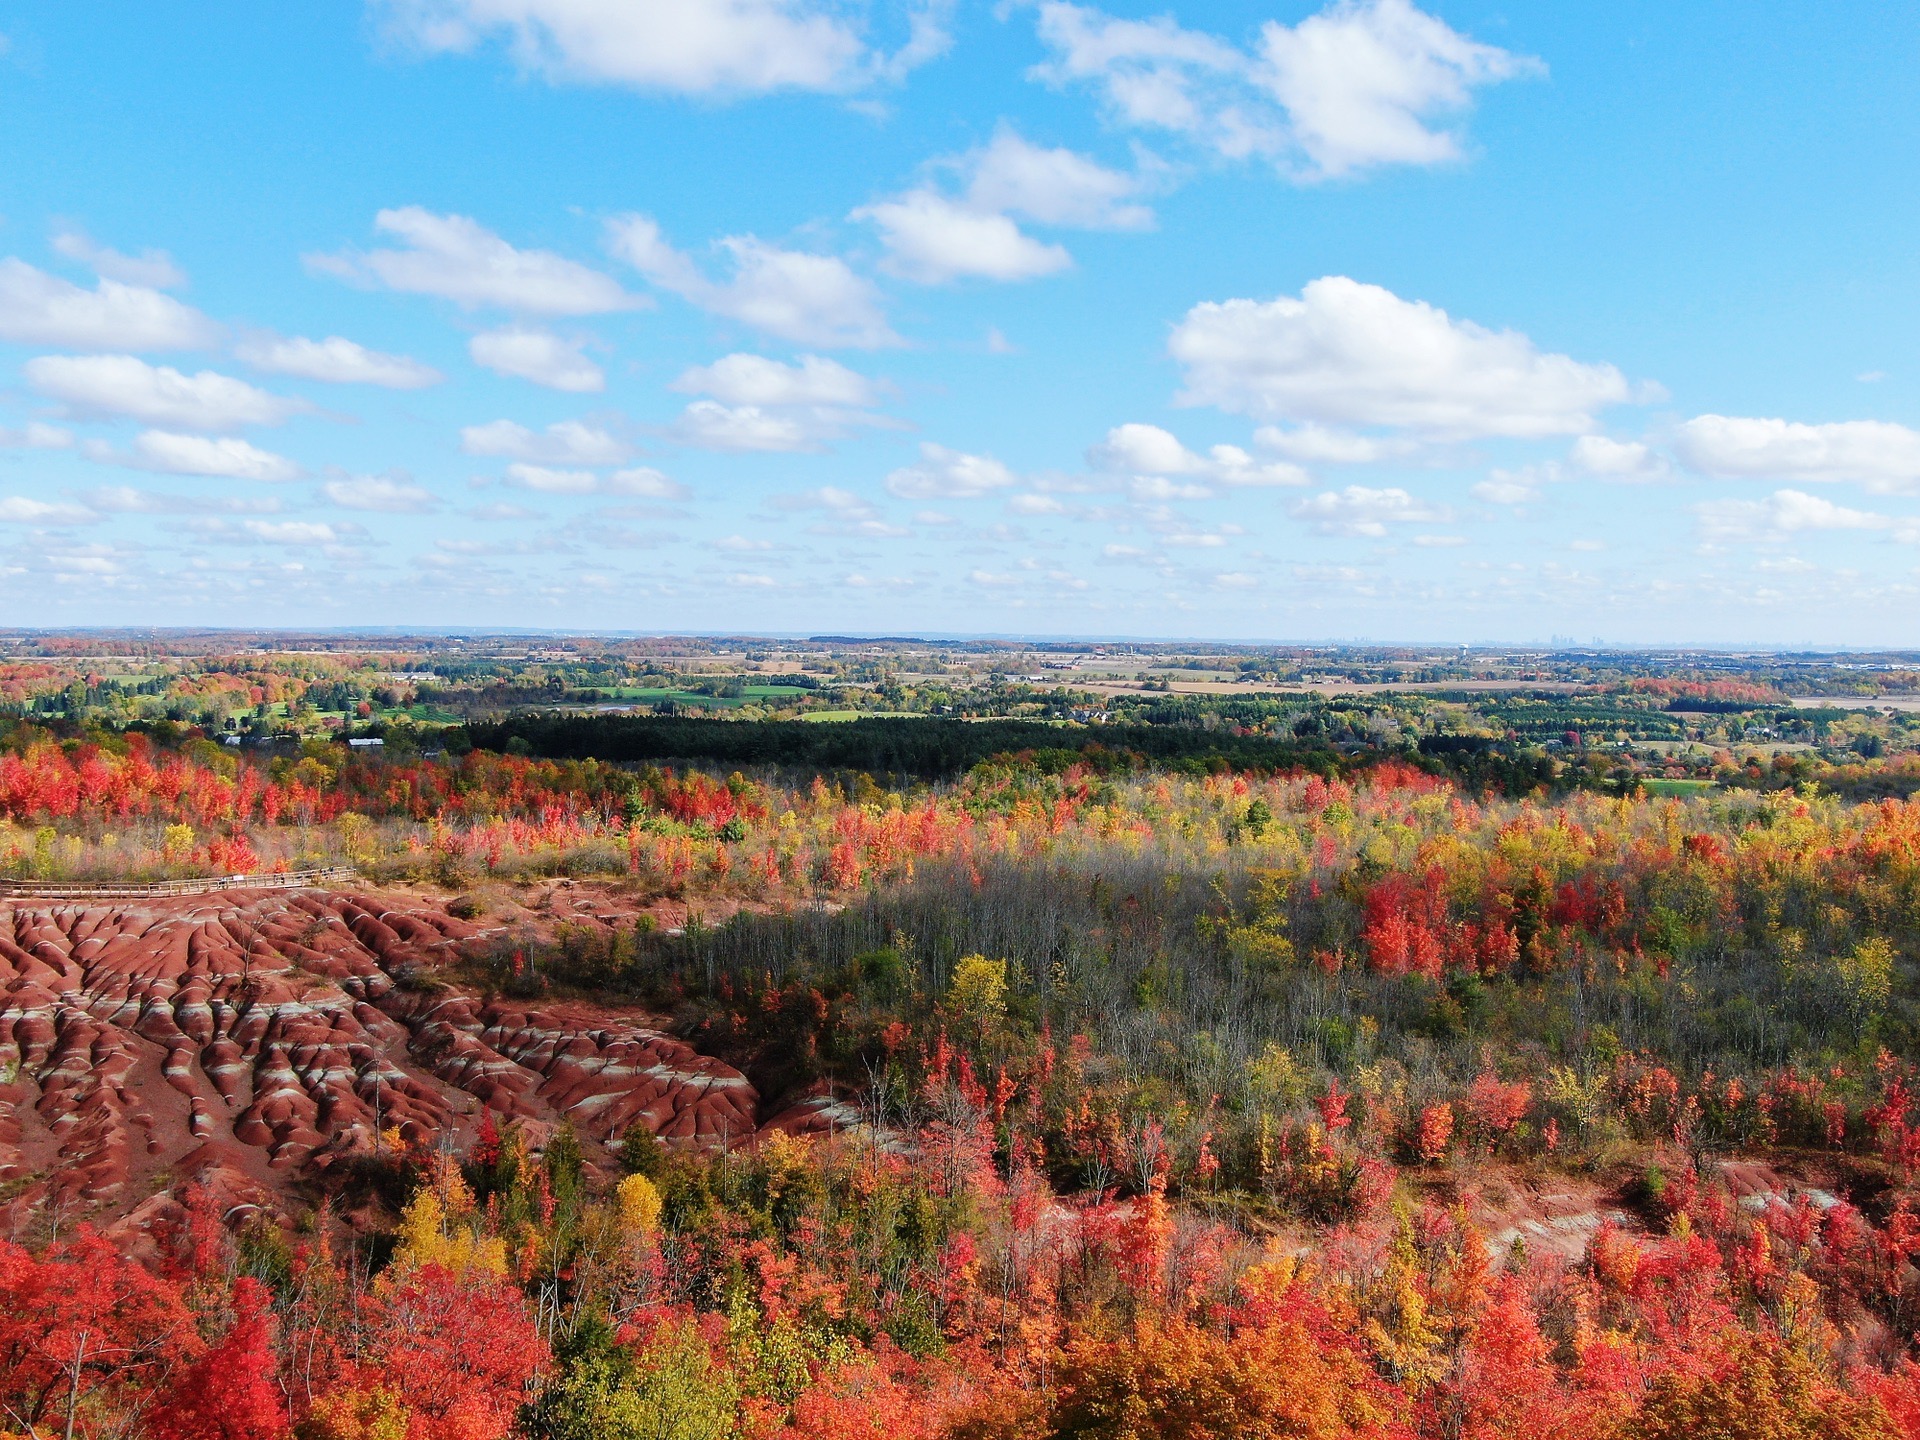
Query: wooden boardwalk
column 79, row 890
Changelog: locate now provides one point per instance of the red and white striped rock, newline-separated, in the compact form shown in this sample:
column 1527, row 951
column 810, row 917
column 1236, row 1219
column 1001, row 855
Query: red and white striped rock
column 267, row 1029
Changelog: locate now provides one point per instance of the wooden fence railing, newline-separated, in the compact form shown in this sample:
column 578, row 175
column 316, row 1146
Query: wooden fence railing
column 78, row 890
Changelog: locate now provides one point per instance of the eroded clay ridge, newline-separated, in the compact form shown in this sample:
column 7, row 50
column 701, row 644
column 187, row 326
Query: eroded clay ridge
column 262, row 1035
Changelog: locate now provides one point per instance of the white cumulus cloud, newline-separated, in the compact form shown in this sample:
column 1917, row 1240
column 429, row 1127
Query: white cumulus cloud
column 1145, row 450
column 944, row 474
column 1328, row 445
column 646, row 482
column 1361, row 511
column 684, row 46
column 827, row 497
column 850, row 514
column 458, row 259
column 90, row 564
column 1360, row 84
column 1052, row 185
column 1362, row 81
column 1346, row 353
column 127, row 500
column 933, row 237
column 794, row 294
column 713, row 426
column 156, row 394
column 1783, row 514
column 41, row 309
column 1155, row 74
column 641, row 481
column 1148, row 450
column 1036, row 505
column 292, row 532
column 153, row 268
column 223, row 457
column 390, row 494
column 1508, row 487
column 25, row 510
column 565, row 442
column 742, row 379
column 35, row 436
column 1878, row 454
column 549, row 481
column 1629, row 461
column 765, row 405
column 1159, row 489
column 526, row 352
column 336, row 361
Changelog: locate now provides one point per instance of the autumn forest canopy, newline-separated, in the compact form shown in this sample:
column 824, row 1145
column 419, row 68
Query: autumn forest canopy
column 705, row 1039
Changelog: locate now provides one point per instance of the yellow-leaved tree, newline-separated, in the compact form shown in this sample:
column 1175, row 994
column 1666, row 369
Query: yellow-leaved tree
column 439, row 1228
column 978, row 990
column 639, row 1202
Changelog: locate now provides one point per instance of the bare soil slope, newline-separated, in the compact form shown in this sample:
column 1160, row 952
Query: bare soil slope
column 250, row 1039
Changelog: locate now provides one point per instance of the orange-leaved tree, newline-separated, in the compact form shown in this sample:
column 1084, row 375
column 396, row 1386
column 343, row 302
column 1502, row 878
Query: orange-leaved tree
column 1760, row 1386
column 86, row 1338
column 229, row 1392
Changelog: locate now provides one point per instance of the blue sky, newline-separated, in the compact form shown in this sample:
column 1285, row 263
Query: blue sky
column 1458, row 322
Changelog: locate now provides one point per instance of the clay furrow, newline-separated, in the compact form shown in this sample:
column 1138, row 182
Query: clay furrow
column 288, row 1026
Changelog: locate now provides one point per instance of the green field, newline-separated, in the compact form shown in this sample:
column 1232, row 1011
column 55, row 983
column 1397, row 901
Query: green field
column 653, row 695
column 838, row 715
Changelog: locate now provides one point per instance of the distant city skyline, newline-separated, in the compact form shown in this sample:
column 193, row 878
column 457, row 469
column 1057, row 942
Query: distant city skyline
column 1354, row 323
